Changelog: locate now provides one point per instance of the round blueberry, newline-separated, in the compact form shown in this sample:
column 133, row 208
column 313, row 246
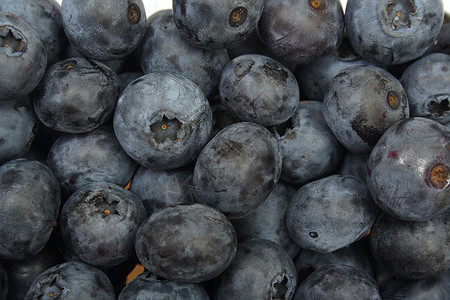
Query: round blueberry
column 187, row 242
column 162, row 120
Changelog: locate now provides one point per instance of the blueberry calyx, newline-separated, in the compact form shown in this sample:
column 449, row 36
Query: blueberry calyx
column 237, row 17
column 12, row 41
column 134, row 13
column 279, row 287
column 438, row 105
column 439, row 176
column 166, row 129
column 318, row 5
column 398, row 13
column 393, row 100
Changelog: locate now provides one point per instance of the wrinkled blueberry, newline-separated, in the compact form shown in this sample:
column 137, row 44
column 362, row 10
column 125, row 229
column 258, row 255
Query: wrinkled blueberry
column 237, row 169
column 408, row 171
column 71, row 281
column 187, row 242
column 29, row 206
column 104, row 29
column 76, row 95
column 300, row 32
column 409, row 249
column 216, row 24
column 164, row 50
column 395, row 31
column 259, row 89
column 330, row 213
column 162, row 120
column 147, row 286
column 427, row 85
column 261, row 269
column 83, row 158
column 99, row 221
column 22, row 57
column 361, row 103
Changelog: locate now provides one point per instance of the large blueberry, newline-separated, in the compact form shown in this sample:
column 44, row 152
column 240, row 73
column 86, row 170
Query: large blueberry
column 261, row 269
column 237, row 169
column 80, row 159
column 330, row 213
column 162, row 120
column 361, row 103
column 300, row 32
column 76, row 95
column 216, row 24
column 99, row 221
column 164, row 50
column 186, row 242
column 408, row 171
column 71, row 281
column 427, row 85
column 22, row 57
column 104, row 29
column 29, row 206
column 259, row 89
column 395, row 31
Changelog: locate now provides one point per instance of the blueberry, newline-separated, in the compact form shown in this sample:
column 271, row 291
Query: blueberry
column 186, row 242
column 99, row 221
column 18, row 128
column 158, row 189
column 426, row 82
column 261, row 269
column 104, row 29
column 4, row 283
column 408, row 171
column 71, row 281
column 147, row 286
column 411, row 250
column 29, row 206
column 330, row 213
column 361, row 103
column 22, row 57
column 162, row 120
column 393, row 32
column 259, row 89
column 44, row 16
column 268, row 220
column 338, row 282
column 164, row 50
column 300, row 32
column 237, row 169
column 309, row 148
column 216, row 24
column 76, row 95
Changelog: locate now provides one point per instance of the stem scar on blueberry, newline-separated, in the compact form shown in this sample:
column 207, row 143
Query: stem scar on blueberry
column 237, row 17
column 134, row 13
column 313, row 234
column 317, row 4
column 8, row 39
column 393, row 100
column 439, row 176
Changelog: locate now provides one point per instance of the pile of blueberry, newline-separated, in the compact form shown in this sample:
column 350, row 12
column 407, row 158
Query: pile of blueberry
column 247, row 149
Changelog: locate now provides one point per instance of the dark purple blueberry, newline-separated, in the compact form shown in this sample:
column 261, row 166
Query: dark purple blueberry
column 44, row 16
column 268, row 220
column 99, row 221
column 186, row 242
column 300, row 32
column 216, row 24
column 4, row 283
column 361, row 103
column 18, row 128
column 393, row 32
column 22, row 57
column 76, row 95
column 261, row 269
column 162, row 120
column 29, row 206
column 157, row 189
column 259, row 89
column 427, row 85
column 104, row 29
column 408, row 171
column 309, row 148
column 237, row 169
column 71, row 281
column 164, row 50
column 409, row 249
column 330, row 213
column 80, row 159
column 338, row 282
column 147, row 286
